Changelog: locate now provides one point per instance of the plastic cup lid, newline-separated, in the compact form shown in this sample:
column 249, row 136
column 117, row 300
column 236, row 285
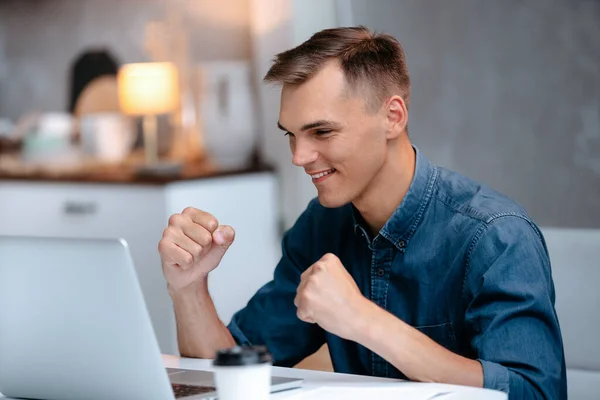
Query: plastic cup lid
column 242, row 355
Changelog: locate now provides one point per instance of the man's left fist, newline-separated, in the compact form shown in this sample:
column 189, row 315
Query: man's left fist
column 328, row 296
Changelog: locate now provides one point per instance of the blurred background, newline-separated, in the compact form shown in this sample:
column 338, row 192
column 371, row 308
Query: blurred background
column 115, row 114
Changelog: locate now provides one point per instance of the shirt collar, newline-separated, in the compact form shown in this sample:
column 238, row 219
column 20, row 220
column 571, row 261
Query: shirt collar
column 401, row 226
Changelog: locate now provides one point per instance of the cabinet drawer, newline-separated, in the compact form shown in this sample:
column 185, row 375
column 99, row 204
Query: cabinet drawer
column 81, row 210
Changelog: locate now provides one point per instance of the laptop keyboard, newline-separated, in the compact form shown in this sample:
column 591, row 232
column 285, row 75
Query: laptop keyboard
column 190, row 390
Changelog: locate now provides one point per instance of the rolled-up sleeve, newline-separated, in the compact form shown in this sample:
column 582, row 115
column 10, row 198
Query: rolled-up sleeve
column 510, row 314
column 270, row 317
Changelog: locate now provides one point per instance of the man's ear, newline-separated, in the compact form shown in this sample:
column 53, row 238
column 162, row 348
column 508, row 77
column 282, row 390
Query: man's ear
column 397, row 116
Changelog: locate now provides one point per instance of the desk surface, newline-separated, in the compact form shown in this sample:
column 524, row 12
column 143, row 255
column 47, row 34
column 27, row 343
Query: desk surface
column 316, row 381
column 323, row 385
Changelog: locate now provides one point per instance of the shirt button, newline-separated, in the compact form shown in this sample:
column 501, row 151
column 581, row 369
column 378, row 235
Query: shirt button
column 380, row 272
column 402, row 244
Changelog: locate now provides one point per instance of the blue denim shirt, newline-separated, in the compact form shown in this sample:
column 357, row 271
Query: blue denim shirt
column 458, row 261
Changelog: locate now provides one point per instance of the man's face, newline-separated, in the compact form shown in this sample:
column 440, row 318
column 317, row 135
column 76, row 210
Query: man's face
column 333, row 136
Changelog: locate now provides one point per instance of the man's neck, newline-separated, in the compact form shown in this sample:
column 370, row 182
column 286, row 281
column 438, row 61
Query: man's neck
column 385, row 193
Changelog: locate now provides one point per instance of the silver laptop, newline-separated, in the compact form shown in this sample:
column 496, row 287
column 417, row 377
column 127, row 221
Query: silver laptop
column 74, row 325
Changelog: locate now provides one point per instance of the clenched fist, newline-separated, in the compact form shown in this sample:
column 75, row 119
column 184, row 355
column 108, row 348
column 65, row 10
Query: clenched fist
column 328, row 296
column 191, row 246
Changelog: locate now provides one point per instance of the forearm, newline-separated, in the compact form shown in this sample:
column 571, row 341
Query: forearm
column 414, row 353
column 200, row 332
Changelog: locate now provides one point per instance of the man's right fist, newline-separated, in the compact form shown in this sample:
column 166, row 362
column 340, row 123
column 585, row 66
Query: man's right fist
column 192, row 246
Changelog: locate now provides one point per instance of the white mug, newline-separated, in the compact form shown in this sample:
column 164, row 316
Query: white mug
column 107, row 136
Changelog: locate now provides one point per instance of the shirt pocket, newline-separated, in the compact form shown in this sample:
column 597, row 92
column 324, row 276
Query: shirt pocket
column 442, row 334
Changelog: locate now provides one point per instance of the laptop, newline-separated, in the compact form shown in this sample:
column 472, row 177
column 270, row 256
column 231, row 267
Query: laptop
column 74, row 325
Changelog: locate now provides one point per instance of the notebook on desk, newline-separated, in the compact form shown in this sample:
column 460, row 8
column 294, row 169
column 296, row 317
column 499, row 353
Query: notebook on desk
column 73, row 325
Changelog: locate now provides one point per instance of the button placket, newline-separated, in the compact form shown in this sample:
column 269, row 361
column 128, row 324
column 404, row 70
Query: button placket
column 380, row 264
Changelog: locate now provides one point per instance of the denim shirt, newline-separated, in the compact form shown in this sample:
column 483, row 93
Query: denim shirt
column 458, row 261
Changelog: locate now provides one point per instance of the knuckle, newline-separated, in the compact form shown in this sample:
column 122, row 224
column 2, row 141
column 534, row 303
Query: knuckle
column 329, row 257
column 300, row 313
column 197, row 251
column 205, row 237
column 188, row 259
column 305, row 297
column 212, row 223
column 169, row 232
column 306, row 273
column 320, row 267
column 175, row 219
column 189, row 211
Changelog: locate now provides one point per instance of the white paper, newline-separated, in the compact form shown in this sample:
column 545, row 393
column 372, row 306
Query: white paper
column 379, row 393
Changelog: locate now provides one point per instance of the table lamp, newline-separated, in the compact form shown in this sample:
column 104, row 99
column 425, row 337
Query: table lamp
column 148, row 89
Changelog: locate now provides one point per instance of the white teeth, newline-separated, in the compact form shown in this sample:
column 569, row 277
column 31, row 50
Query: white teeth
column 322, row 174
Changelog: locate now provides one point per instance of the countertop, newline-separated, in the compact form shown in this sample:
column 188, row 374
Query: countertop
column 130, row 172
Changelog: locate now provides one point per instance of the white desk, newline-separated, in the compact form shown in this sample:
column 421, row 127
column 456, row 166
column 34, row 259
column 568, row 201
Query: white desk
column 314, row 381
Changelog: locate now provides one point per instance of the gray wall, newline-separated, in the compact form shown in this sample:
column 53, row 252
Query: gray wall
column 2, row 55
column 508, row 93
column 40, row 38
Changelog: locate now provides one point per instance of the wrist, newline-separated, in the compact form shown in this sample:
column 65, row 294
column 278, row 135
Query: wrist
column 366, row 321
column 191, row 290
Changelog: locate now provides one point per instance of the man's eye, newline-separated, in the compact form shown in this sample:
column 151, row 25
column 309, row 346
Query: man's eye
column 290, row 134
column 323, row 132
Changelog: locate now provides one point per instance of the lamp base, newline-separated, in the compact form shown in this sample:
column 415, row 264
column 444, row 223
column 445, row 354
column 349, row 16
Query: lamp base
column 150, row 139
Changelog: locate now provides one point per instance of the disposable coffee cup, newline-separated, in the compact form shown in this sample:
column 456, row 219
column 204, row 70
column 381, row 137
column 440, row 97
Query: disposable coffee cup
column 243, row 373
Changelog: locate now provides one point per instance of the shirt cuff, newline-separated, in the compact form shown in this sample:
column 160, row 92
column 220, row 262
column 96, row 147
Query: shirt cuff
column 495, row 376
column 238, row 335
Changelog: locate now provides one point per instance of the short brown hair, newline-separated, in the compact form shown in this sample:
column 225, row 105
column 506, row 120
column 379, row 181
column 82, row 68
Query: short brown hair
column 369, row 60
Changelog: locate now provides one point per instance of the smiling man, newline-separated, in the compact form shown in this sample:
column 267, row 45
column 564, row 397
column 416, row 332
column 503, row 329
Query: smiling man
column 405, row 269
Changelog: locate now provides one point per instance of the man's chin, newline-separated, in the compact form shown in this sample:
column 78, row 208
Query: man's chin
column 328, row 200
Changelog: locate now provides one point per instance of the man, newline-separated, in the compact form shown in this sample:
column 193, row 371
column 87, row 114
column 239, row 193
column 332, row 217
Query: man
column 405, row 269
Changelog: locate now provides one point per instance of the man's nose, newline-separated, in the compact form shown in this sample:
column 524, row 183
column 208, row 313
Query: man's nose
column 303, row 153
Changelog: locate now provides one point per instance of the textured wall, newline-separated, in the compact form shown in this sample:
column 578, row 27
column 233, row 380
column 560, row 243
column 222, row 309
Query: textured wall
column 42, row 37
column 2, row 54
column 508, row 93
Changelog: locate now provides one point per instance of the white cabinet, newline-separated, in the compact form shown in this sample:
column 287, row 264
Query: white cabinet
column 139, row 213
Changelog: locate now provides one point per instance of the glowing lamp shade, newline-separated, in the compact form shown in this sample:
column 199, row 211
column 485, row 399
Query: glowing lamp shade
column 148, row 89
